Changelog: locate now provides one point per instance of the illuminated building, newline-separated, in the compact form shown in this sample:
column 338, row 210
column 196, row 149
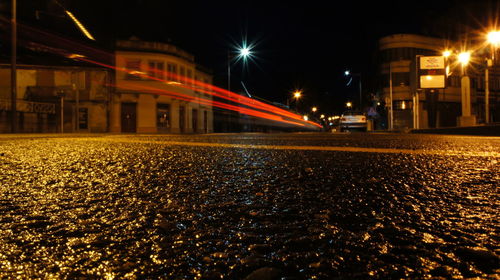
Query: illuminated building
column 158, row 89
column 439, row 107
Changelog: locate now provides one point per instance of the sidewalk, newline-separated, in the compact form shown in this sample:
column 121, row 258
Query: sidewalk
column 482, row 130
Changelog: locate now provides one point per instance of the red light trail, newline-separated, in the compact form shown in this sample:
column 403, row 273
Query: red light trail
column 275, row 113
column 240, row 104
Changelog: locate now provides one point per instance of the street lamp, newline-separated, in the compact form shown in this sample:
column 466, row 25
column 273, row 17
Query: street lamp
column 348, row 105
column 314, row 109
column 348, row 73
column 494, row 41
column 466, row 119
column 243, row 53
column 297, row 94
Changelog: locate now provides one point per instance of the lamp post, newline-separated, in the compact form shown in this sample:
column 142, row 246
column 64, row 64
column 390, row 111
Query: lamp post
column 242, row 53
column 348, row 74
column 494, row 41
column 297, row 95
column 13, row 70
column 466, row 119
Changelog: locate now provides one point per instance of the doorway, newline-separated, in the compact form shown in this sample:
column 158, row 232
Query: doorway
column 129, row 117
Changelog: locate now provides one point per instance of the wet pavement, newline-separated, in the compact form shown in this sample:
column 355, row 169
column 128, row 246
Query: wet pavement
column 249, row 206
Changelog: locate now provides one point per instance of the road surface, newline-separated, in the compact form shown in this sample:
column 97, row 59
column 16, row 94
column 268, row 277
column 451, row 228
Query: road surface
column 249, row 206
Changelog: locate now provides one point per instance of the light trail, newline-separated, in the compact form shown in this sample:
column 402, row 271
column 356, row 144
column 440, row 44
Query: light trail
column 274, row 113
column 217, row 92
column 211, row 102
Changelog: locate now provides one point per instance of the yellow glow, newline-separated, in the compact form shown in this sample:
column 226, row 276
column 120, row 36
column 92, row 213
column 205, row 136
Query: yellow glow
column 349, row 104
column 314, row 109
column 446, row 53
column 297, row 94
column 464, row 58
column 428, row 78
column 306, row 118
column 403, row 105
column 174, row 83
column 80, row 25
column 137, row 73
column 322, row 116
column 74, row 55
column 494, row 37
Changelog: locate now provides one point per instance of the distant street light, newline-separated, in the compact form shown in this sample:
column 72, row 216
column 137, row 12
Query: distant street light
column 314, row 109
column 243, row 53
column 297, row 94
column 306, row 118
column 348, row 73
column 348, row 105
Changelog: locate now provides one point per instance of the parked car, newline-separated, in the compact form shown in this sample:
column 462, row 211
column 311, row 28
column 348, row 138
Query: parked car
column 352, row 120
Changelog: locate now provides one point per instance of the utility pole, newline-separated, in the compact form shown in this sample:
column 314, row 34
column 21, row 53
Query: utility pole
column 13, row 71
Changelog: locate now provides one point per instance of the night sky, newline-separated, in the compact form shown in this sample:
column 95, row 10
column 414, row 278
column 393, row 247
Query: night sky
column 306, row 44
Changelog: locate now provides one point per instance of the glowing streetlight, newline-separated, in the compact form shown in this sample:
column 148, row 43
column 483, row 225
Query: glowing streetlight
column 348, row 105
column 464, row 58
column 494, row 38
column 243, row 53
column 348, row 73
column 314, row 109
column 322, row 116
column 447, row 53
column 306, row 118
column 297, row 94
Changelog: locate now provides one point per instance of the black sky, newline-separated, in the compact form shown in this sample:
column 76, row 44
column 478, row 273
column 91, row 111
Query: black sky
column 298, row 44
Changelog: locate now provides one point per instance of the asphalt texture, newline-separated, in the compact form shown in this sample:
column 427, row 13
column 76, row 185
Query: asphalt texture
column 249, row 206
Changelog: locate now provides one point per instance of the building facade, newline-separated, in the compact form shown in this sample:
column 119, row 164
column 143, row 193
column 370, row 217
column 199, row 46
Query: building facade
column 55, row 99
column 159, row 88
column 436, row 107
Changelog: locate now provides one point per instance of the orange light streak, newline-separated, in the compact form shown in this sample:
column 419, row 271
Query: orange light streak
column 218, row 92
column 209, row 102
column 196, row 85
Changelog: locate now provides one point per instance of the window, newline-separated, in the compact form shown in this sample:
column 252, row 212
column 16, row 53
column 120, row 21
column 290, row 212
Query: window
column 400, row 79
column 190, row 76
column 402, row 105
column 182, row 118
column 195, row 120
column 172, row 72
column 156, row 69
column 134, row 68
column 163, row 116
column 182, row 73
column 83, row 118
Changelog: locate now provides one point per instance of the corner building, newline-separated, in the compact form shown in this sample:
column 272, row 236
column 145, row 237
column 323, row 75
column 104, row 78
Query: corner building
column 437, row 107
column 155, row 91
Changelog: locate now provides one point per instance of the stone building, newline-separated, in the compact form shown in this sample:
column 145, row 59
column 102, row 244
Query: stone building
column 439, row 107
column 159, row 88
